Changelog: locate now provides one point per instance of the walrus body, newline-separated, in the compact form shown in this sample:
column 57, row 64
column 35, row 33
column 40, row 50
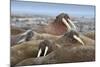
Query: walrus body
column 29, row 49
column 63, row 55
column 90, row 35
column 23, row 51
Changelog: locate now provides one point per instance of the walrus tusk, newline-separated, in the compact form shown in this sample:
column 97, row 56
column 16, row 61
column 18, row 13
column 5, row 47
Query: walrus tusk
column 20, row 41
column 46, row 49
column 73, row 25
column 66, row 23
column 78, row 39
column 39, row 53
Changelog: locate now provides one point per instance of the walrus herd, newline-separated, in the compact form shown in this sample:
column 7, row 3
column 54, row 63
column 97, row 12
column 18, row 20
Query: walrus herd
column 56, row 42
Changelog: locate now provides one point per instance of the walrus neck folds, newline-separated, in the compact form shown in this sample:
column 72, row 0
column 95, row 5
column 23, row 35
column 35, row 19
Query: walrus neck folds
column 56, row 28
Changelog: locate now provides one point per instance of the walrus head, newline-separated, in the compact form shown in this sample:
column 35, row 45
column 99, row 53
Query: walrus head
column 44, row 48
column 73, row 37
column 26, row 36
column 65, row 19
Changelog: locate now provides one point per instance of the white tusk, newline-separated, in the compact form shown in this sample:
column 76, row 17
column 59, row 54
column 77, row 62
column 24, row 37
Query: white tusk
column 25, row 32
column 22, row 40
column 66, row 23
column 73, row 25
column 77, row 38
column 46, row 49
column 58, row 45
column 39, row 53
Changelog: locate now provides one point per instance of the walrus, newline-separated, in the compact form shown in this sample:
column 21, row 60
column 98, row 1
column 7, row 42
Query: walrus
column 22, row 37
column 74, row 38
column 68, row 40
column 30, row 49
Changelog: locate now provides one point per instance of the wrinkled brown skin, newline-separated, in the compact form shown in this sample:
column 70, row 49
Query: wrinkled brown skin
column 63, row 55
column 36, row 36
column 28, row 50
column 69, row 52
column 87, row 40
column 15, row 33
column 57, row 27
column 42, row 36
column 23, row 51
column 65, row 41
column 68, row 41
column 90, row 35
column 24, row 48
column 14, row 39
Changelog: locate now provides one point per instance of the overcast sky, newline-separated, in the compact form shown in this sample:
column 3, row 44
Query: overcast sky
column 51, row 9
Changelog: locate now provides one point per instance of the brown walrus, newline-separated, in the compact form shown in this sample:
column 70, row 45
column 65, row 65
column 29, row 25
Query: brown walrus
column 30, row 49
column 69, row 39
column 22, row 37
column 74, row 38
